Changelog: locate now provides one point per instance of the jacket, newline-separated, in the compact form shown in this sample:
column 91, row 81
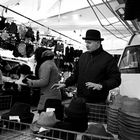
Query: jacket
column 48, row 75
column 98, row 67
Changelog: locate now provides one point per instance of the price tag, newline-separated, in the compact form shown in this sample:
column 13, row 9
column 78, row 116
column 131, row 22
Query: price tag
column 50, row 109
column 42, row 129
column 14, row 118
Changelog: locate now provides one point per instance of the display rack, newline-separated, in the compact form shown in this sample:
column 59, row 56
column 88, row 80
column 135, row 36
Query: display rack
column 8, row 131
column 21, row 131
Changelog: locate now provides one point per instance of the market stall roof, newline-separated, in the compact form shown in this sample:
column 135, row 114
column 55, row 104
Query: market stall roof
column 69, row 15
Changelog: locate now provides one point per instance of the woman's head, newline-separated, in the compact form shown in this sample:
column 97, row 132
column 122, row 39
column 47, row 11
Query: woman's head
column 38, row 53
column 48, row 54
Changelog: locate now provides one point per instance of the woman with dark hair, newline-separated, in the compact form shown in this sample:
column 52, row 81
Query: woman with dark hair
column 47, row 74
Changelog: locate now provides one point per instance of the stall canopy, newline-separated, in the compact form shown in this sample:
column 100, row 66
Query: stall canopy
column 71, row 17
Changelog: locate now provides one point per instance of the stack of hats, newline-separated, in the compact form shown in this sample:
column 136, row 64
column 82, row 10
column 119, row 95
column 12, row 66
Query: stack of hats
column 112, row 114
column 129, row 119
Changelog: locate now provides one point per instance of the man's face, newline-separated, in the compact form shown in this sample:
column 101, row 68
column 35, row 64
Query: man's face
column 92, row 45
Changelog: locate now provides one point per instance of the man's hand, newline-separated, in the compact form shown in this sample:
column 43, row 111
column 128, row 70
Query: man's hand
column 94, row 86
column 58, row 86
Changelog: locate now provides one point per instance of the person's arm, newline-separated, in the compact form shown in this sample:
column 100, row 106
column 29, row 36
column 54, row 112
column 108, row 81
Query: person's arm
column 70, row 81
column 113, row 76
column 44, row 74
column 94, row 86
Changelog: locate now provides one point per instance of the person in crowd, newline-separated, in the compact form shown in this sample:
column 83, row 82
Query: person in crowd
column 47, row 74
column 96, row 73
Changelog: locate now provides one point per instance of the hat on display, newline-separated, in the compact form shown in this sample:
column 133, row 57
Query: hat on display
column 98, row 130
column 77, row 108
column 22, row 110
column 93, row 35
column 46, row 119
column 131, row 106
column 25, row 69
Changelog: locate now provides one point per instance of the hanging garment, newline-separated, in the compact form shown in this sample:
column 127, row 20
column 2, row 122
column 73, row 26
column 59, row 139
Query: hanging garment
column 22, row 48
column 13, row 28
column 29, row 49
column 2, row 23
column 37, row 36
column 30, row 34
column 22, row 32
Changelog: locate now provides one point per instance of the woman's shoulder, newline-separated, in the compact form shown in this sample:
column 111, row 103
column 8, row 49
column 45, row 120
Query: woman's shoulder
column 48, row 63
column 107, row 55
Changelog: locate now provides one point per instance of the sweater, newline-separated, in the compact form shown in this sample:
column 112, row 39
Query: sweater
column 48, row 75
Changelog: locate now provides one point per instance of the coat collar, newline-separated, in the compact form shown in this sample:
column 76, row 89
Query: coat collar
column 96, row 52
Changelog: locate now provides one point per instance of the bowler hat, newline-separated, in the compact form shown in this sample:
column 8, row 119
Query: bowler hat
column 22, row 110
column 77, row 108
column 93, row 35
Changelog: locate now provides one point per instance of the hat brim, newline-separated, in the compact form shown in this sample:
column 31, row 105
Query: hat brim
column 96, row 39
column 99, row 131
column 27, row 118
column 35, row 126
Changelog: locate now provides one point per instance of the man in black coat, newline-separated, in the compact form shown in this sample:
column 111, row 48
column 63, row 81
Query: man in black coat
column 96, row 73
